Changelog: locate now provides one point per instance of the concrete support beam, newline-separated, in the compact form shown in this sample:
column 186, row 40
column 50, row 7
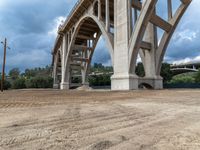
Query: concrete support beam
column 107, row 16
column 170, row 14
column 55, row 76
column 146, row 45
column 156, row 20
column 99, row 10
column 84, row 77
column 122, row 79
column 149, row 60
column 64, row 82
column 186, row 1
column 137, row 4
column 56, row 86
column 65, row 86
column 150, row 55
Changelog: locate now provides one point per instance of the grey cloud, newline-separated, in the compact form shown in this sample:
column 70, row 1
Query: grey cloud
column 185, row 41
column 101, row 54
column 27, row 24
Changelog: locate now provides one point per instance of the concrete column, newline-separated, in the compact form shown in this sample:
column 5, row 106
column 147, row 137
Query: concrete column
column 169, row 4
column 84, row 69
column 84, row 77
column 135, row 15
column 99, row 10
column 122, row 79
column 68, row 39
column 107, row 16
column 64, row 80
column 150, row 55
column 55, row 80
column 70, row 36
column 150, row 59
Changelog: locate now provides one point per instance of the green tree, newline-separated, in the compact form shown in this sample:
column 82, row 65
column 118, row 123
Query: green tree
column 140, row 70
column 14, row 73
column 39, row 82
column 182, row 79
column 19, row 83
column 197, row 77
column 29, row 73
column 6, row 84
column 37, row 72
column 166, row 72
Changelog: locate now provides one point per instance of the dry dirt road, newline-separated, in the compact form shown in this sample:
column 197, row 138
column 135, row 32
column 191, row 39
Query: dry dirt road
column 97, row 120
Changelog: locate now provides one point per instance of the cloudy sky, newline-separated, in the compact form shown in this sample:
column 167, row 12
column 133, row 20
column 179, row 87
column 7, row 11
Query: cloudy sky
column 31, row 25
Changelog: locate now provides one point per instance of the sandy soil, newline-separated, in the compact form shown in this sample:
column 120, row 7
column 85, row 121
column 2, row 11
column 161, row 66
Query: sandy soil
column 137, row 120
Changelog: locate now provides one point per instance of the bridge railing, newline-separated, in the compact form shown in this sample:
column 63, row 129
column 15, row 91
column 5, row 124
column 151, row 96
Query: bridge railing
column 71, row 12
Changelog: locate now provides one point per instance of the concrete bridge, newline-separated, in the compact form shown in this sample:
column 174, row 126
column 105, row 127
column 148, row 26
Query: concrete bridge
column 129, row 28
column 184, row 68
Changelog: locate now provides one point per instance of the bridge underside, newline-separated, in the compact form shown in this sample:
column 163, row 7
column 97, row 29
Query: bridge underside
column 130, row 30
column 177, row 71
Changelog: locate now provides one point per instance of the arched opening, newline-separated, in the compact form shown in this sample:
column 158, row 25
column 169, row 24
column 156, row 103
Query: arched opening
column 84, row 43
column 101, row 68
column 162, row 35
column 145, row 86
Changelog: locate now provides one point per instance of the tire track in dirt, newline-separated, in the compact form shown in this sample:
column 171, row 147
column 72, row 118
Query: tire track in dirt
column 109, row 125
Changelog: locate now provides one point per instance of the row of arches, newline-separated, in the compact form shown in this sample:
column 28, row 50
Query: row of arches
column 79, row 43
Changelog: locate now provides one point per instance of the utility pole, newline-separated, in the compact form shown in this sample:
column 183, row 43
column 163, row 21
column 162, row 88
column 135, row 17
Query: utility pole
column 4, row 63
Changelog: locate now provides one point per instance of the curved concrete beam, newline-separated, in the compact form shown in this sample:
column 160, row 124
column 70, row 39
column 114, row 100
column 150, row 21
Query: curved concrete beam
column 108, row 37
column 139, row 31
column 167, row 35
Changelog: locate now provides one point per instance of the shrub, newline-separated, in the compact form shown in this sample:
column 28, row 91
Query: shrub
column 39, row 82
column 19, row 83
column 14, row 73
column 6, row 85
column 197, row 77
column 182, row 79
column 166, row 73
column 101, row 80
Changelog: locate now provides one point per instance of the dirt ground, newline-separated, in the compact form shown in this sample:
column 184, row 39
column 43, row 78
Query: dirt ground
column 97, row 120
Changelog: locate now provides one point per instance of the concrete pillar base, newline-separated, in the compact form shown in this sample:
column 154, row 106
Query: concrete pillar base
column 65, row 86
column 84, row 87
column 56, row 86
column 124, row 82
column 86, row 84
column 156, row 83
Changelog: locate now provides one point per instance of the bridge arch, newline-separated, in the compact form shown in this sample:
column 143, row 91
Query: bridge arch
column 145, row 85
column 138, row 33
column 144, row 40
column 133, row 35
column 167, row 35
column 87, row 42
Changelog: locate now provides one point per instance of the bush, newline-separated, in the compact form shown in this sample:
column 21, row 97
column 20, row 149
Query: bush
column 6, row 85
column 182, row 79
column 19, row 83
column 102, row 80
column 197, row 77
column 140, row 70
column 166, row 72
column 39, row 82
column 14, row 73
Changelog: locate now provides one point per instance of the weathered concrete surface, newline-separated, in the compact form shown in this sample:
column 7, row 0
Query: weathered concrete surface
column 129, row 29
column 139, row 120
